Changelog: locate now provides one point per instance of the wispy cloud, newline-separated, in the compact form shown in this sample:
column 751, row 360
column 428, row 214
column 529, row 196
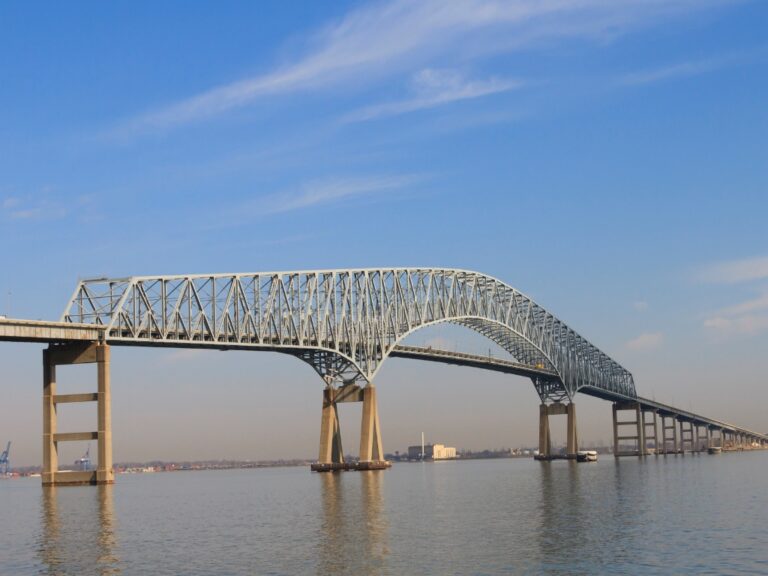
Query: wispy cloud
column 748, row 317
column 328, row 192
column 435, row 88
column 646, row 341
column 31, row 208
column 640, row 305
column 735, row 271
column 385, row 38
column 674, row 71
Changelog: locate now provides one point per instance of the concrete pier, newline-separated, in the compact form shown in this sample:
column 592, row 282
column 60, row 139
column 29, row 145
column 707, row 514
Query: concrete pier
column 650, row 431
column 686, row 436
column 669, row 444
column 331, row 450
column 635, row 432
column 331, row 456
column 370, row 431
column 68, row 354
column 545, row 440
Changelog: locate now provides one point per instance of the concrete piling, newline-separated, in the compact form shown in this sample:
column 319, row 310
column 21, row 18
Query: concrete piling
column 545, row 438
column 67, row 354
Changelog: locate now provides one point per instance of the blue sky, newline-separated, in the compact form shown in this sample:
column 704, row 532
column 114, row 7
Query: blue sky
column 609, row 158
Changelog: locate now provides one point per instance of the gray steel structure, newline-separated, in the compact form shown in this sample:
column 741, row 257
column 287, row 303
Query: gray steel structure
column 344, row 323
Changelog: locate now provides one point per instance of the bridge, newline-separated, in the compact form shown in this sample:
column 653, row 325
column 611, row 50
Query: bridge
column 345, row 323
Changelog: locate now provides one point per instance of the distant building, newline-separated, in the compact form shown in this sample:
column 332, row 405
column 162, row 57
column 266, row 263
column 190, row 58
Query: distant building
column 432, row 452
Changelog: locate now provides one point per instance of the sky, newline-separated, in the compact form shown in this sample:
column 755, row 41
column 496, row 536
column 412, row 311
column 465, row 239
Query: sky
column 609, row 158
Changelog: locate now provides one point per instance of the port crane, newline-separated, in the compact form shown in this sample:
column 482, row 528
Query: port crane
column 4, row 463
column 84, row 463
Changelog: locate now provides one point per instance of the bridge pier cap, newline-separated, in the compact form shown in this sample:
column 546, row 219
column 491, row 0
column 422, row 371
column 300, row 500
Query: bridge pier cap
column 343, row 322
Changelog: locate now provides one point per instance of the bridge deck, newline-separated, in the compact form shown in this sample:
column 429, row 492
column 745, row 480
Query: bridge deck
column 509, row 367
column 16, row 330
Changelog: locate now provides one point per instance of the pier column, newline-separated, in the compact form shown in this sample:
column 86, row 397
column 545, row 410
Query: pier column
column 573, row 440
column 637, row 427
column 545, row 436
column 67, row 354
column 654, row 435
column 50, row 448
column 104, row 473
column 668, row 434
column 545, row 442
column 330, row 433
column 370, row 432
column 687, row 436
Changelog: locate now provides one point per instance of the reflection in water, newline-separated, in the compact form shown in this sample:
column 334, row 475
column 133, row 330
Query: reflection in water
column 375, row 534
column 78, row 531
column 51, row 529
column 567, row 524
column 353, row 535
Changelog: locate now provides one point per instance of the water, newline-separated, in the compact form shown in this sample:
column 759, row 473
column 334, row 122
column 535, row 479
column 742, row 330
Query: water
column 675, row 515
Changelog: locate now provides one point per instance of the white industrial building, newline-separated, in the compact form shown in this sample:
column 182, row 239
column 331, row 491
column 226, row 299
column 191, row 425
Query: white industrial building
column 432, row 452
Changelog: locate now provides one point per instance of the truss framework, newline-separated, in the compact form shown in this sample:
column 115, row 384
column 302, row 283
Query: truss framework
column 343, row 322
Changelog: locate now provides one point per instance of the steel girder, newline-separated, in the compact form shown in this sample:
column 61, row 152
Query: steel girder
column 343, row 322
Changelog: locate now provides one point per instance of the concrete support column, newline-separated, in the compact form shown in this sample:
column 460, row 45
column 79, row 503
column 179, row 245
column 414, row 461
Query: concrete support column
column 330, row 432
column 68, row 354
column 633, row 430
column 687, row 436
column 50, row 448
column 545, row 442
column 104, row 474
column 370, row 432
column 669, row 434
column 573, row 440
column 640, row 430
column 652, row 434
column 678, row 446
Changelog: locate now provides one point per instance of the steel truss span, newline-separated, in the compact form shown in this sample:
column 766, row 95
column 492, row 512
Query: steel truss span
column 345, row 323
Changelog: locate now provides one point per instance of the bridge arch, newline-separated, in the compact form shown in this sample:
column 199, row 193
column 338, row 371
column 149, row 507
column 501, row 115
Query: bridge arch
column 344, row 322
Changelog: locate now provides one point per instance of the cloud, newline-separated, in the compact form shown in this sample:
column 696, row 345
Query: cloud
column 646, row 341
column 681, row 70
column 382, row 39
column 30, row 208
column 735, row 271
column 745, row 318
column 435, row 88
column 329, row 192
column 640, row 305
column 748, row 324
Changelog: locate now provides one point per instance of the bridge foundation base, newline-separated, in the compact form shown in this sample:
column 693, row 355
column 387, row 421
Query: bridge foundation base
column 350, row 466
column 551, row 457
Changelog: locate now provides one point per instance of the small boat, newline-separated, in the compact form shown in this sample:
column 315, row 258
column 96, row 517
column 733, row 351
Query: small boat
column 714, row 450
column 586, row 456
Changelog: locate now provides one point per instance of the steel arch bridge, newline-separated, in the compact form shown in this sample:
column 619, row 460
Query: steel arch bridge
column 344, row 323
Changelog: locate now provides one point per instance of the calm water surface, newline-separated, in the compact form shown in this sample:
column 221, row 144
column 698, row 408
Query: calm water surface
column 674, row 515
